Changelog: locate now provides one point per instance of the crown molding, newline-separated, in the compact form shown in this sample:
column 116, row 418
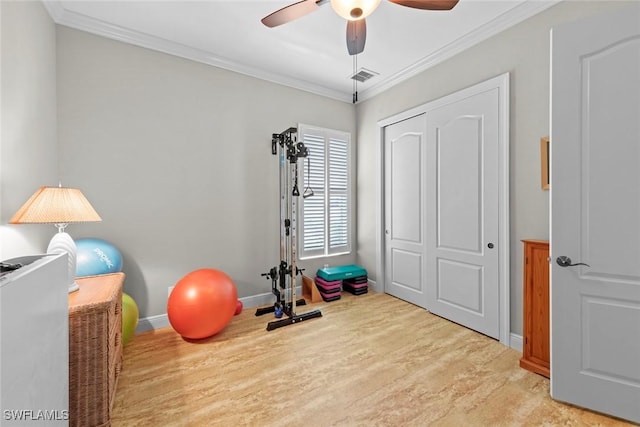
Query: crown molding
column 67, row 18
column 506, row 20
column 81, row 22
column 54, row 8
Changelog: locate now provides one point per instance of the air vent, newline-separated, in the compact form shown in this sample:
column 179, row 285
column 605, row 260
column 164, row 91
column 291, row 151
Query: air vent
column 363, row 75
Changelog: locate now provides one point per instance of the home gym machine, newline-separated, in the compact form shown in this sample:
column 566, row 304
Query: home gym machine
column 284, row 277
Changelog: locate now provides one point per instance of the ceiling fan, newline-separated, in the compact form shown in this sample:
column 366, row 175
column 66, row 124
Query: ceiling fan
column 354, row 11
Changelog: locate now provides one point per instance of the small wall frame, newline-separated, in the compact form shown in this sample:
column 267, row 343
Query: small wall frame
column 544, row 163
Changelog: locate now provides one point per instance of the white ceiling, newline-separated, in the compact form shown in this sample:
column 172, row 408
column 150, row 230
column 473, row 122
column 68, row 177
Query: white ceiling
column 309, row 53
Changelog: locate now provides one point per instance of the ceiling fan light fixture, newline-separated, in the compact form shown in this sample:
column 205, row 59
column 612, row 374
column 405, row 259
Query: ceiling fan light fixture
column 353, row 10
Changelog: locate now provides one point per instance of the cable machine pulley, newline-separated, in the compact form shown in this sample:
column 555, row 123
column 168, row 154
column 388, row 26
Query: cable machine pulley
column 284, row 276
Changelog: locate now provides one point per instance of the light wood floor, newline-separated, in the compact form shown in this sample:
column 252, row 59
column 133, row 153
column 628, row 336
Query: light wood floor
column 371, row 360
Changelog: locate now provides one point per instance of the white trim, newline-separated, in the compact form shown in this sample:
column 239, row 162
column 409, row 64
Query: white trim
column 115, row 32
column 504, row 221
column 55, row 9
column 327, row 135
column 515, row 342
column 497, row 25
column 162, row 320
column 500, row 82
column 373, row 285
column 508, row 19
column 152, row 323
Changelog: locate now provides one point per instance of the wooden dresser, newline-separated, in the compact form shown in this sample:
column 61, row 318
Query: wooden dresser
column 535, row 354
column 95, row 348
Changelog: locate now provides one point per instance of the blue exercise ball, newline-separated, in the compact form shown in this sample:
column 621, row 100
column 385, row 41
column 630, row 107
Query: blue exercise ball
column 97, row 256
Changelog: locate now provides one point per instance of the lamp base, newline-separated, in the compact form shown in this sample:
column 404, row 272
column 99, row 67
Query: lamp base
column 63, row 243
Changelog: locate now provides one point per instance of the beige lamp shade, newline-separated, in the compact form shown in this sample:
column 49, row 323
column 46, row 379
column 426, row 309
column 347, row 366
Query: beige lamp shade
column 56, row 205
column 59, row 206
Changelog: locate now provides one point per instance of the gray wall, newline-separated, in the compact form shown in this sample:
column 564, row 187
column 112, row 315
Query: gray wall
column 28, row 139
column 522, row 51
column 176, row 157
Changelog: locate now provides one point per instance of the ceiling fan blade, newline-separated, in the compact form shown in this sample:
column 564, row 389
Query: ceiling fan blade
column 356, row 36
column 427, row 4
column 290, row 13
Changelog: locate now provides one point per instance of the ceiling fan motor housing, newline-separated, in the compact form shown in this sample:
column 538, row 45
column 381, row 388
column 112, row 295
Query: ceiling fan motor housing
column 353, row 10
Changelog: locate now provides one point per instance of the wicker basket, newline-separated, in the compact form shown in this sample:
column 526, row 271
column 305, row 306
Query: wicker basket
column 95, row 349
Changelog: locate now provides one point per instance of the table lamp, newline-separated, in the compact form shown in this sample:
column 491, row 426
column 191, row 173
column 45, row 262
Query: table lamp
column 59, row 206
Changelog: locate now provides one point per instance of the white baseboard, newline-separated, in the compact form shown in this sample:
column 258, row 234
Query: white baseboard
column 162, row 320
column 515, row 342
column 152, row 322
column 373, row 286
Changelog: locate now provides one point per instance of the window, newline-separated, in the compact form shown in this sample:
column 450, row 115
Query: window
column 325, row 219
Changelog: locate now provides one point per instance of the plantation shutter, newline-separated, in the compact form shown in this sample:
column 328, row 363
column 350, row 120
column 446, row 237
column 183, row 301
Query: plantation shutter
column 325, row 216
column 338, row 177
column 313, row 208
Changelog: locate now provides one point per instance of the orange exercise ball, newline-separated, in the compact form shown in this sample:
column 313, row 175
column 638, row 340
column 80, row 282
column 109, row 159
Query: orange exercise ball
column 202, row 303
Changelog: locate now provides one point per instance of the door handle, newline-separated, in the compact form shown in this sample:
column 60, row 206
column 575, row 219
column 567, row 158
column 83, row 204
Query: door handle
column 565, row 261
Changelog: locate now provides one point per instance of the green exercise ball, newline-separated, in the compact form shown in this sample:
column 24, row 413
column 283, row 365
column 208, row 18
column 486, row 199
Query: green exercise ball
column 129, row 318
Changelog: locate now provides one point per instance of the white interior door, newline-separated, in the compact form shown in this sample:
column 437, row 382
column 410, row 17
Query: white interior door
column 404, row 209
column 462, row 214
column 595, row 213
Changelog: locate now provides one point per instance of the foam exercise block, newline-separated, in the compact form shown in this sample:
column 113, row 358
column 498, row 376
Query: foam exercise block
column 341, row 272
column 356, row 285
